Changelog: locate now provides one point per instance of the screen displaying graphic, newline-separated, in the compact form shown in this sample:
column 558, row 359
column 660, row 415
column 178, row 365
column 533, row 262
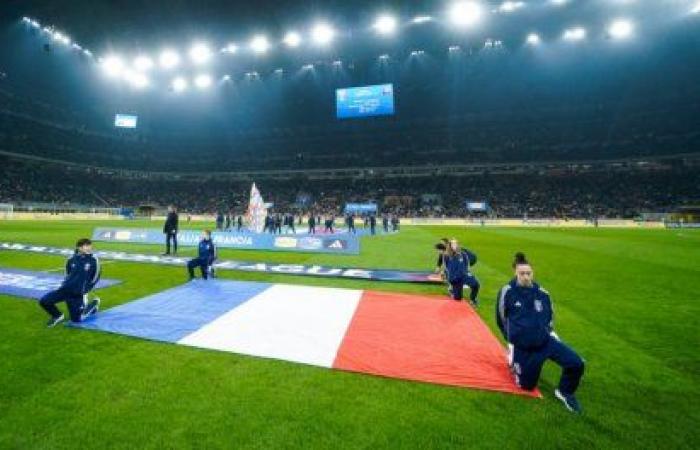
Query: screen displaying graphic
column 125, row 121
column 377, row 100
column 477, row 206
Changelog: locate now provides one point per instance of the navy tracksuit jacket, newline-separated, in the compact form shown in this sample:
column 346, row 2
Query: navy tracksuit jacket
column 207, row 256
column 458, row 274
column 525, row 318
column 82, row 274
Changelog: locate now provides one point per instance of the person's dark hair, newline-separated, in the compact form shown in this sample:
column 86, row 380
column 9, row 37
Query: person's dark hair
column 520, row 259
column 445, row 241
column 82, row 242
column 207, row 232
column 440, row 246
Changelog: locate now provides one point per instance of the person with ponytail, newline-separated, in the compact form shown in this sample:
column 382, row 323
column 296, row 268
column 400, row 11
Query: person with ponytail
column 524, row 315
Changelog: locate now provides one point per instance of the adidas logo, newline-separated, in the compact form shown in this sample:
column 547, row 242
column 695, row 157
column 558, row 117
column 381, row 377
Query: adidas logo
column 336, row 244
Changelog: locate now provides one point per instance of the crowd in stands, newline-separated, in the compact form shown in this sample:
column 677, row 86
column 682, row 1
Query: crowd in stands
column 544, row 193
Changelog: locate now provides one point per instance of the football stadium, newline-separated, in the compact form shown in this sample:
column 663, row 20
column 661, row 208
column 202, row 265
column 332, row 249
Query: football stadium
column 349, row 224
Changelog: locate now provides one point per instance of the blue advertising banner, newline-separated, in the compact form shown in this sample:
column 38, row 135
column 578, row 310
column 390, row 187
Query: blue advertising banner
column 401, row 276
column 361, row 208
column 347, row 244
column 30, row 284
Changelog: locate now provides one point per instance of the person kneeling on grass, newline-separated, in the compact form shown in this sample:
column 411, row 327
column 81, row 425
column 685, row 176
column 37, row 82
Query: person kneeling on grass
column 206, row 258
column 525, row 317
column 82, row 274
column 457, row 262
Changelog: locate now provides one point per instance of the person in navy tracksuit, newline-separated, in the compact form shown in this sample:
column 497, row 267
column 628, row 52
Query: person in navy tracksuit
column 206, row 256
column 82, row 274
column 524, row 315
column 457, row 263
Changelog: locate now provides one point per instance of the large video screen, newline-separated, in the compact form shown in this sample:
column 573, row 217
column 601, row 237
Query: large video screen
column 365, row 101
column 125, row 121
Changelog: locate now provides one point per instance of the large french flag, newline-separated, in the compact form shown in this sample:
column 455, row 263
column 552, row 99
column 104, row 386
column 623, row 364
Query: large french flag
column 411, row 337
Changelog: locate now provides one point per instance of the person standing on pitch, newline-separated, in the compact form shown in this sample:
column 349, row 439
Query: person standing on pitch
column 82, row 274
column 206, row 256
column 350, row 222
column 170, row 229
column 524, row 315
column 239, row 223
column 458, row 263
column 373, row 224
column 385, row 222
column 312, row 224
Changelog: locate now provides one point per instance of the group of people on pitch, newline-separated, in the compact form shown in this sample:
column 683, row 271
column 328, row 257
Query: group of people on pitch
column 524, row 311
column 525, row 317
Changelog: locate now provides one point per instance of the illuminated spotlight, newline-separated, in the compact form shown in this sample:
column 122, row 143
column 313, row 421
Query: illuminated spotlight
column 337, row 63
column 621, row 29
column 179, row 84
column 575, row 34
column 322, row 34
column 385, row 24
column 465, row 14
column 417, row 52
column 421, row 19
column 279, row 71
column 454, row 48
column 202, row 81
column 307, row 66
column 696, row 9
column 26, row 19
column 62, row 38
column 230, row 48
column 200, row 53
column 383, row 57
column 533, row 39
column 143, row 63
column 559, row 2
column 226, row 78
column 292, row 39
column 136, row 79
column 508, row 7
column 87, row 52
column 76, row 47
column 259, row 44
column 112, row 66
column 169, row 59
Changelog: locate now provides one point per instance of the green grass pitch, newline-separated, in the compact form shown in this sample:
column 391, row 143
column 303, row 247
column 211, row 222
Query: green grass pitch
column 626, row 300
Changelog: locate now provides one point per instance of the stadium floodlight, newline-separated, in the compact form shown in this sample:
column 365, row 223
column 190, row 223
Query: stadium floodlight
column 509, row 6
column 292, row 39
column 200, row 53
column 621, row 29
column 202, row 81
column 322, row 34
column 76, row 47
column 307, row 66
column 112, row 66
column 466, row 13
column 60, row 37
column 417, row 52
column 259, row 44
column 143, row 63
column 385, row 24
column 559, row 2
column 231, row 48
column 533, row 39
column 575, row 34
column 179, row 84
column 226, row 78
column 87, row 52
column 136, row 79
column 421, row 19
column 169, row 59
column 696, row 9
